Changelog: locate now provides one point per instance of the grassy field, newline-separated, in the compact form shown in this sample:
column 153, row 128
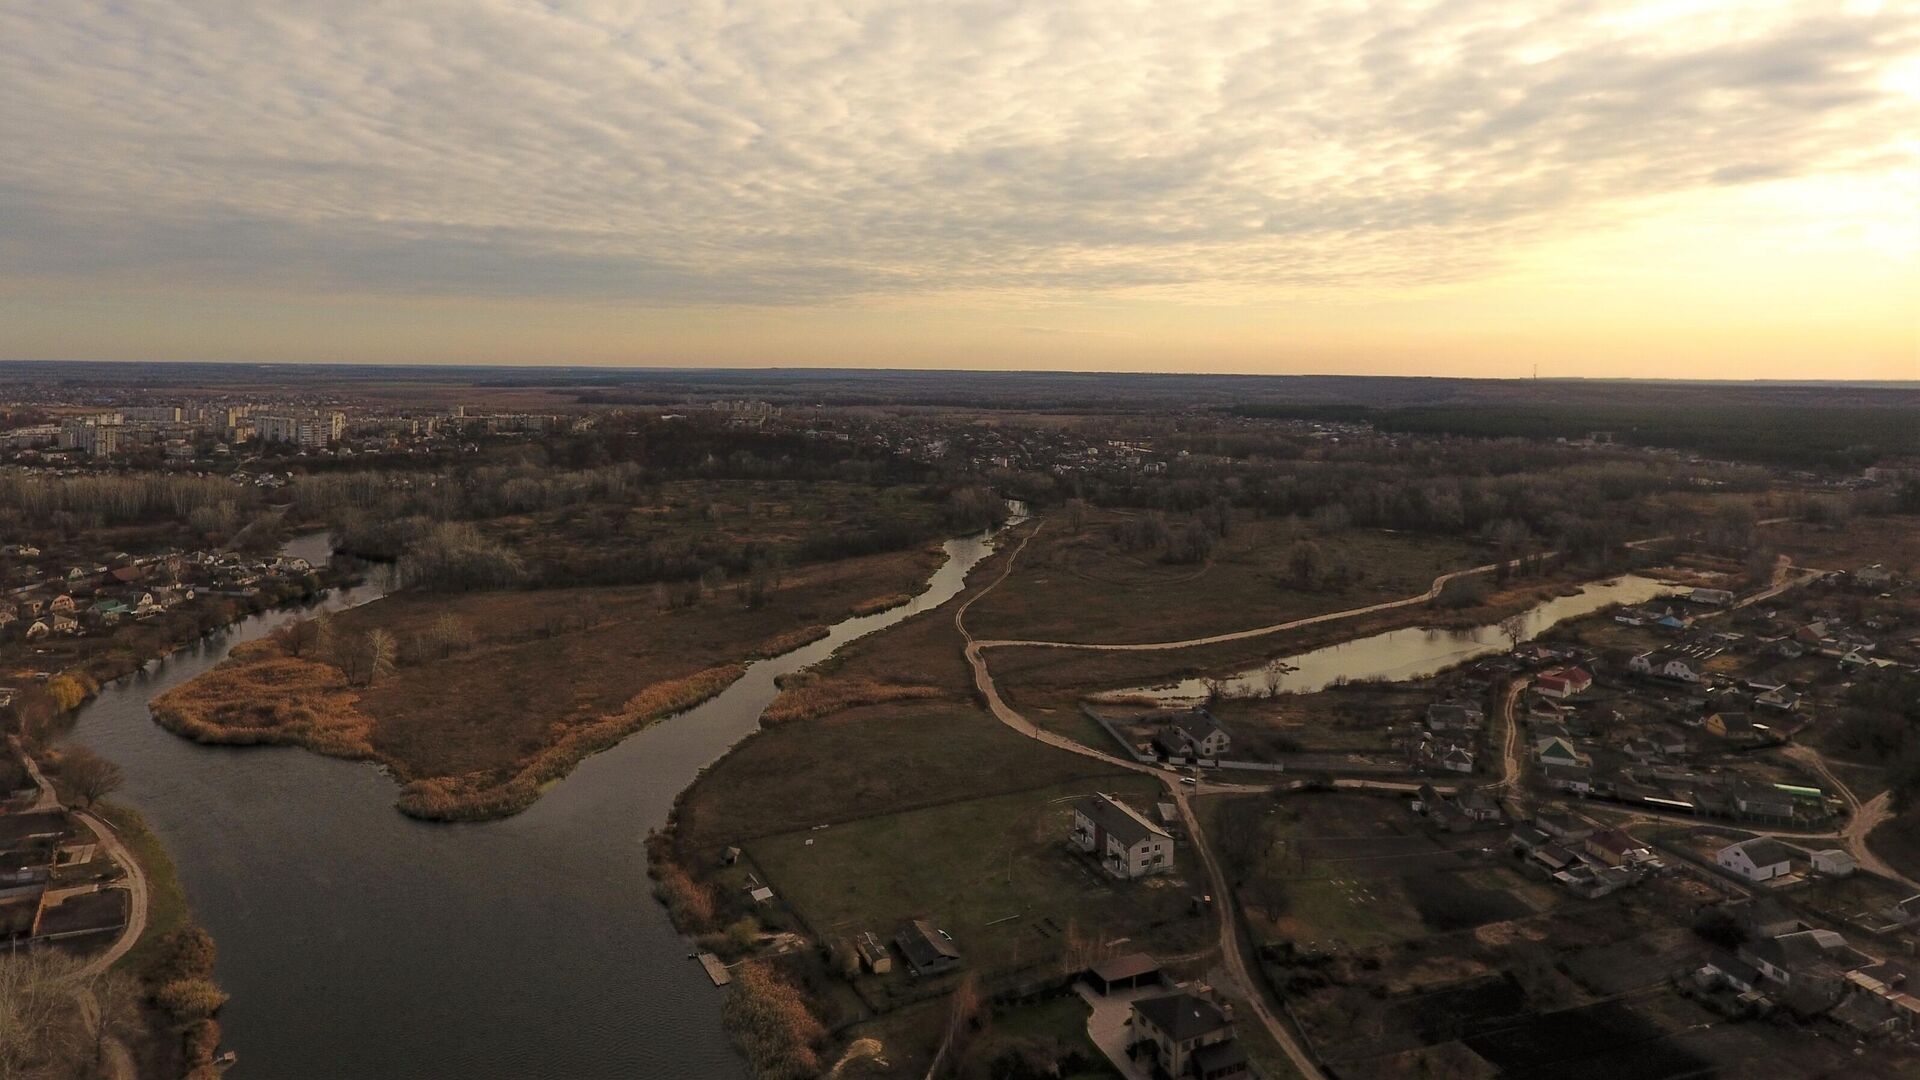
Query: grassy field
column 166, row 899
column 1341, row 718
column 1079, row 585
column 1893, row 540
column 867, row 762
column 995, row 873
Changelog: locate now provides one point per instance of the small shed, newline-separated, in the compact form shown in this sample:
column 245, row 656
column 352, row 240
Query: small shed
column 1125, row 973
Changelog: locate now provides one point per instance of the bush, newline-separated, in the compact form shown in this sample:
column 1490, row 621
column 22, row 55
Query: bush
column 188, row 1000
column 770, row 1022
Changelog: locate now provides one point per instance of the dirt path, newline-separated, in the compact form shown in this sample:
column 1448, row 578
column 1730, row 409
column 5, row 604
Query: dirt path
column 1863, row 819
column 1232, row 635
column 1230, row 934
column 136, row 885
column 110, row 840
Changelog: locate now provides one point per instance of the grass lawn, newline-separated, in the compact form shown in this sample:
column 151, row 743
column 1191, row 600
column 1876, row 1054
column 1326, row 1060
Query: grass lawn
column 1081, row 586
column 864, row 762
column 166, row 899
column 1062, row 1019
column 994, row 872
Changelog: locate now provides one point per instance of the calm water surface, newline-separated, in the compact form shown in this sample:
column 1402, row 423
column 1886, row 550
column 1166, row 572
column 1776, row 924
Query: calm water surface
column 1415, row 652
column 360, row 943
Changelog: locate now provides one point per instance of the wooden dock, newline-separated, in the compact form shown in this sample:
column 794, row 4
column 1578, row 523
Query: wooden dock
column 716, row 970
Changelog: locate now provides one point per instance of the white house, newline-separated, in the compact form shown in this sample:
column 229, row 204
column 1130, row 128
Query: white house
column 1834, row 862
column 1202, row 733
column 1127, row 845
column 1760, row 859
column 1664, row 665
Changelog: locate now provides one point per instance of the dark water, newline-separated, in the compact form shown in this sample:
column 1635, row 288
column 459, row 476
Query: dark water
column 359, row 943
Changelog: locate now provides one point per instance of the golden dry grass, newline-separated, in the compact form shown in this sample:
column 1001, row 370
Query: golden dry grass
column 810, row 696
column 262, row 697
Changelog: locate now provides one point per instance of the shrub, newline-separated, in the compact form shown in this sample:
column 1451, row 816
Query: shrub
column 770, row 1022
column 188, row 1000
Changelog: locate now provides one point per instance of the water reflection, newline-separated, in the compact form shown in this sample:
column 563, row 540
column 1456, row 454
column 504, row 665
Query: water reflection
column 1413, row 652
column 359, row 943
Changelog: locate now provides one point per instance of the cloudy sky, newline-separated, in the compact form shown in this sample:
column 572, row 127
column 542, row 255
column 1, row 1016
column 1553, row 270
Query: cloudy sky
column 1456, row 187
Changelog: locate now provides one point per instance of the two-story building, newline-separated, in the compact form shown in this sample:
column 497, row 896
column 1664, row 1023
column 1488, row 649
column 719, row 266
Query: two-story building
column 1189, row 1037
column 1124, row 841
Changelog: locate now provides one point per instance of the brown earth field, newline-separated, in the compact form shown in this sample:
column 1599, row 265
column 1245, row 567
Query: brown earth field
column 1059, row 677
column 548, row 677
column 1078, row 584
column 1893, row 540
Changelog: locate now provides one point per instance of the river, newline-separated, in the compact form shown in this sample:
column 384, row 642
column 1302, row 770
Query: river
column 360, row 943
column 1412, row 652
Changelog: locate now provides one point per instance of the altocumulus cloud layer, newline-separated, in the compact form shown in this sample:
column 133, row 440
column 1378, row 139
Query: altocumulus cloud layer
column 781, row 151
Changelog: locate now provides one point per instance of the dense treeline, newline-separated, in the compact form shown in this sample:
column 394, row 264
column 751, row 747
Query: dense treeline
column 1842, row 437
column 1881, row 722
column 91, row 502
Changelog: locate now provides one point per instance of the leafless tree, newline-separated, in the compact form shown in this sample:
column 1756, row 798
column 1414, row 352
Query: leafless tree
column 91, row 776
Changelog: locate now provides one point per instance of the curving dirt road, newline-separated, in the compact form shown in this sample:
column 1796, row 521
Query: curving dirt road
column 1864, row 817
column 136, row 877
column 1231, row 949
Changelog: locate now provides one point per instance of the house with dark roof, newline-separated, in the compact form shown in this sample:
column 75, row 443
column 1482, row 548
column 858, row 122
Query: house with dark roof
column 1177, row 1027
column 1125, row 842
column 926, row 950
column 1193, row 733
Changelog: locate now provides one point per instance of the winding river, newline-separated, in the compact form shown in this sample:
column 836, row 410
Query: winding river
column 360, row 943
column 1412, row 652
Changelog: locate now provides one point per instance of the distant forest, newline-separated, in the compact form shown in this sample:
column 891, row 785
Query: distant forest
column 1845, row 437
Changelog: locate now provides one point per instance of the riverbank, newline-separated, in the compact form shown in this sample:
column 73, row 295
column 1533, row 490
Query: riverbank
column 492, row 697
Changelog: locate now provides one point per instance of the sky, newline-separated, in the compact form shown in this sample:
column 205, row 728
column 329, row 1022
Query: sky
column 1599, row 188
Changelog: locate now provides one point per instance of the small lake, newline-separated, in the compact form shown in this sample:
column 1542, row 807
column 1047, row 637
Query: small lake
column 1413, row 652
column 360, row 943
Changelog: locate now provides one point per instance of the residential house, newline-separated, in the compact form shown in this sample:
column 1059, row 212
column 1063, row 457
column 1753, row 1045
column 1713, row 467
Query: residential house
column 1571, row 779
column 1663, row 665
column 1178, row 1028
column 1555, row 750
column 1457, row 759
column 1616, row 848
column 926, row 950
column 1126, row 844
column 1562, row 683
column 1759, row 859
column 1444, row 717
column 1711, row 597
column 1202, row 735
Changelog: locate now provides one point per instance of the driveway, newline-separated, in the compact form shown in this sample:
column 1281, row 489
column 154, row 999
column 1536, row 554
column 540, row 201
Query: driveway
column 1108, row 1027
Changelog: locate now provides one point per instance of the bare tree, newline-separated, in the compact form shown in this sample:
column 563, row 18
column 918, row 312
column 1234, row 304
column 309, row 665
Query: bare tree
column 92, row 776
column 297, row 636
column 1273, row 674
column 39, row 1034
column 381, row 653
